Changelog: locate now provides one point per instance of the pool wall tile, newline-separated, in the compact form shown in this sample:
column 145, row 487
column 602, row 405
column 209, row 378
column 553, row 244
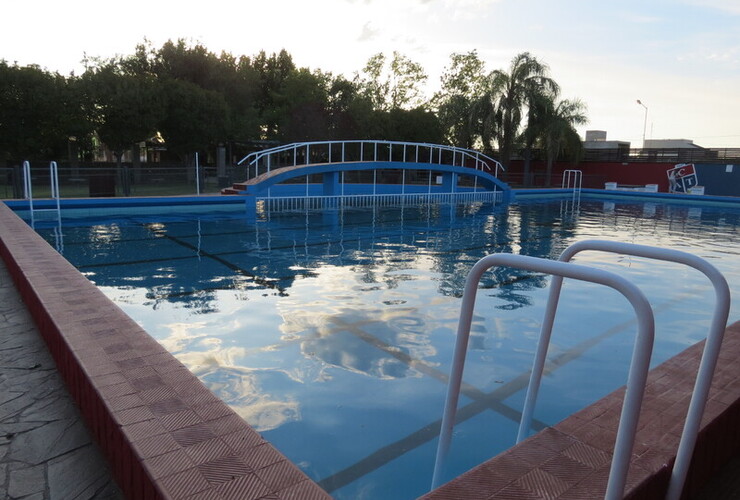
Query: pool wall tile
column 165, row 435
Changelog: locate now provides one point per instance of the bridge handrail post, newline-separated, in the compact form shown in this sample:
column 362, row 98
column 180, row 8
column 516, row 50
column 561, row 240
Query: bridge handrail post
column 343, row 143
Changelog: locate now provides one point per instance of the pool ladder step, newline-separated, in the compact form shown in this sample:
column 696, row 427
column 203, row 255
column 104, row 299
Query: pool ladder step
column 639, row 365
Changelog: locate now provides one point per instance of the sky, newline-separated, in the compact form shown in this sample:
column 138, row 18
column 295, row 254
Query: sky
column 680, row 58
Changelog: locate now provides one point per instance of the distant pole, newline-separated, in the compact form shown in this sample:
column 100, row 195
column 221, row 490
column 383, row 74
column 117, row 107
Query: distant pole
column 644, row 125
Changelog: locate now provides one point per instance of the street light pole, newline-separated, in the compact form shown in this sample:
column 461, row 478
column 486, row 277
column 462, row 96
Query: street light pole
column 644, row 125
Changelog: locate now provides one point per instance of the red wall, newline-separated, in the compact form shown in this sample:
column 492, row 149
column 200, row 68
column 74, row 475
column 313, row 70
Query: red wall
column 594, row 174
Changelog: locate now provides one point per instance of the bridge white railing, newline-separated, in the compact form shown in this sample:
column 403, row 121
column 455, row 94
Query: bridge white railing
column 308, row 153
column 303, row 203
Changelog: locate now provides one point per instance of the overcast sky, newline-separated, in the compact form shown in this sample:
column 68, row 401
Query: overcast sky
column 681, row 58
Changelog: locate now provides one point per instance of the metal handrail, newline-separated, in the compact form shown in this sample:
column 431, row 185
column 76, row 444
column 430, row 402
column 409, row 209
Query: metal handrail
column 28, row 190
column 708, row 360
column 481, row 160
column 572, row 179
column 638, row 370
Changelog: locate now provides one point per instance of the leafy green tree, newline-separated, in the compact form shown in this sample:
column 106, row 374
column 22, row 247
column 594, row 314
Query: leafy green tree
column 392, row 85
column 346, row 107
column 272, row 72
column 462, row 85
column 301, row 107
column 235, row 79
column 127, row 108
column 194, row 118
column 558, row 120
column 414, row 125
column 39, row 113
column 507, row 96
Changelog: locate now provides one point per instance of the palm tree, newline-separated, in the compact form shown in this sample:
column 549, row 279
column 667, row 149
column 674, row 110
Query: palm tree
column 499, row 111
column 557, row 122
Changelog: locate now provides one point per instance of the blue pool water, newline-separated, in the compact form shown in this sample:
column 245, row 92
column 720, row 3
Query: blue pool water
column 332, row 333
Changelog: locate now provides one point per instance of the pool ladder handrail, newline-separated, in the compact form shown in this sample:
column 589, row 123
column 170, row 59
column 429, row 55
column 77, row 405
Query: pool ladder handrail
column 573, row 179
column 28, row 191
column 708, row 360
column 638, row 370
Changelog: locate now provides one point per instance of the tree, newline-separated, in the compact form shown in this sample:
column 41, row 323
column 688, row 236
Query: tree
column 272, row 72
column 39, row 113
column 194, row 118
column 127, row 108
column 462, row 85
column 396, row 85
column 499, row 112
column 346, row 109
column 300, row 107
column 558, row 120
column 236, row 80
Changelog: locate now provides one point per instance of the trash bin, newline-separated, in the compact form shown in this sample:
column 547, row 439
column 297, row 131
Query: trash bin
column 103, row 185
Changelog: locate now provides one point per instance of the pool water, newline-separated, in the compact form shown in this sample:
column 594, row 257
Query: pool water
column 332, row 333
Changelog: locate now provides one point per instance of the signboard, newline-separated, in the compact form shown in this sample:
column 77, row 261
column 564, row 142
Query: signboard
column 682, row 177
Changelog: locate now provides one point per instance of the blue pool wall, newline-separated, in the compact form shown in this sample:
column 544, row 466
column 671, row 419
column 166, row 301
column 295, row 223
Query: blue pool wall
column 314, row 190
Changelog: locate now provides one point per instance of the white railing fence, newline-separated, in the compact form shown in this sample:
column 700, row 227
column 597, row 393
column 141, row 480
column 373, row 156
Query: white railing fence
column 308, row 153
column 304, row 203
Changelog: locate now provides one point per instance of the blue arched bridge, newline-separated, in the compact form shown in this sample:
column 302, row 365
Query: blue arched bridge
column 357, row 173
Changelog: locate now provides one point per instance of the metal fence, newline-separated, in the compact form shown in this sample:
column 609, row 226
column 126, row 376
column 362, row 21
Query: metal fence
column 673, row 155
column 109, row 180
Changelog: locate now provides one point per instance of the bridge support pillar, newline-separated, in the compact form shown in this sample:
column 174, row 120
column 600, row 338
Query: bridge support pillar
column 449, row 182
column 250, row 205
column 331, row 184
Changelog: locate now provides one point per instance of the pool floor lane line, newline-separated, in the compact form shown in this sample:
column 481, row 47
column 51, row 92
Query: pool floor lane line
column 488, row 401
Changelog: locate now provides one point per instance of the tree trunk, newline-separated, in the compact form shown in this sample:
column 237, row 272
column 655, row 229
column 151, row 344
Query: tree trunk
column 527, row 180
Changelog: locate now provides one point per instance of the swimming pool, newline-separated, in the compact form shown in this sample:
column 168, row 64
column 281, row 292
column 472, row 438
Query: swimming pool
column 332, row 333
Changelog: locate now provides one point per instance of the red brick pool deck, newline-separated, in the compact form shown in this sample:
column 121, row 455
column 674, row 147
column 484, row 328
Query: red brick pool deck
column 166, row 435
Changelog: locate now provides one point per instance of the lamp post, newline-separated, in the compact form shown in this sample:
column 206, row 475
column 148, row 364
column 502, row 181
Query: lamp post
column 644, row 125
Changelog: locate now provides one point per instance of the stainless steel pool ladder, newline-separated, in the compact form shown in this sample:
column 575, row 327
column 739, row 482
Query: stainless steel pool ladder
column 573, row 179
column 638, row 367
column 28, row 191
column 708, row 360
column 640, row 357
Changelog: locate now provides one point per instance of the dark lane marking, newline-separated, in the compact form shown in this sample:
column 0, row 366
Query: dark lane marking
column 491, row 401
